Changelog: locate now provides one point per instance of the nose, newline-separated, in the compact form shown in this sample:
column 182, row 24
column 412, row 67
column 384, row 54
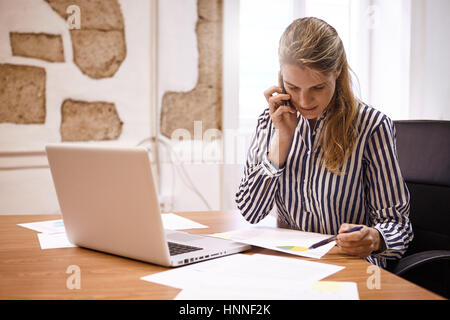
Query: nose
column 305, row 99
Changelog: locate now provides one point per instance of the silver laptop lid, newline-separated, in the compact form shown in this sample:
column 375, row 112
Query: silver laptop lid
column 108, row 200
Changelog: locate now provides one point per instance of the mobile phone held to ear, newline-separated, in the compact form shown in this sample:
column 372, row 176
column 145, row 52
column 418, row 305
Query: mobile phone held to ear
column 285, row 102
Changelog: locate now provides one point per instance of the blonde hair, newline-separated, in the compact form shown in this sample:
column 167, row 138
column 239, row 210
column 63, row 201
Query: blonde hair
column 313, row 43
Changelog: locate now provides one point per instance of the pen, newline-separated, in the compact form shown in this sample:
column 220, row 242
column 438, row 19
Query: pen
column 324, row 242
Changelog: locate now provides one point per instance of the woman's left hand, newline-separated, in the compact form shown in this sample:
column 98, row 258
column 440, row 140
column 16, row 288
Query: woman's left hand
column 359, row 243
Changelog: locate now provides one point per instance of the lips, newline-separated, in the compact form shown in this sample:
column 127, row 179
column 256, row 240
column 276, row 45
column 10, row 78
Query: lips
column 309, row 109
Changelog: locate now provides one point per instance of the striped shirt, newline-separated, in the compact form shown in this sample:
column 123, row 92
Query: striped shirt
column 308, row 197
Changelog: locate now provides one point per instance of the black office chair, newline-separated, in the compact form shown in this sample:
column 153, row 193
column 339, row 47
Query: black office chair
column 423, row 148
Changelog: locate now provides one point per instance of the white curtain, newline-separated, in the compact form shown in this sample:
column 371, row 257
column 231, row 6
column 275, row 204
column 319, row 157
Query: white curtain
column 430, row 64
column 398, row 50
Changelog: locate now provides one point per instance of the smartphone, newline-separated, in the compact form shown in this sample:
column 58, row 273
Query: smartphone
column 285, row 102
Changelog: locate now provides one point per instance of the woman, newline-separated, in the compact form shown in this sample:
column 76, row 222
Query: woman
column 327, row 161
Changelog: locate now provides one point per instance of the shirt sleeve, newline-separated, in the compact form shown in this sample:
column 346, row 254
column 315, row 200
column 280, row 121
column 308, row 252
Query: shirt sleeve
column 256, row 193
column 387, row 195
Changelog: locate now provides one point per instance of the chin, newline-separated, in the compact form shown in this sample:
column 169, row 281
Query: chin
column 309, row 116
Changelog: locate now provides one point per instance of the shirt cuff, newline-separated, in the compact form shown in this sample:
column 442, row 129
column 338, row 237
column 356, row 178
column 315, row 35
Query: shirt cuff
column 382, row 242
column 271, row 169
column 383, row 245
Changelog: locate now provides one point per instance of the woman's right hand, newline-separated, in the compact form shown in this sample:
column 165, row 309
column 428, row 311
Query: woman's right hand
column 284, row 117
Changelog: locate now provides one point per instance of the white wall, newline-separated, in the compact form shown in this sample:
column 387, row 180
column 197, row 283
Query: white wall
column 389, row 58
column 233, row 161
column 178, row 71
column 430, row 63
column 31, row 190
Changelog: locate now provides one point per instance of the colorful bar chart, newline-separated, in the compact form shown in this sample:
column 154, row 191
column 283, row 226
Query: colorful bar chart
column 292, row 248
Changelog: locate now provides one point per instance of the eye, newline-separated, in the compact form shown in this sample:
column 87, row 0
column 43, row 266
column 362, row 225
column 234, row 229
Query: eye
column 291, row 88
column 319, row 87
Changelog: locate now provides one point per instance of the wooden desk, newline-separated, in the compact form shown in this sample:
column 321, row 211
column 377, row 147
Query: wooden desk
column 27, row 272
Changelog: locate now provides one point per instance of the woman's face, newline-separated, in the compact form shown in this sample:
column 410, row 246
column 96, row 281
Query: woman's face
column 311, row 91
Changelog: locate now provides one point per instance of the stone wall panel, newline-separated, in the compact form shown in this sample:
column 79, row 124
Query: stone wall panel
column 48, row 47
column 99, row 46
column 179, row 110
column 86, row 121
column 98, row 53
column 22, row 94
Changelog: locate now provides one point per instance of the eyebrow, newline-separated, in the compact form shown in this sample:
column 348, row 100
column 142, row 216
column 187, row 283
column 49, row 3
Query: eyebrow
column 291, row 85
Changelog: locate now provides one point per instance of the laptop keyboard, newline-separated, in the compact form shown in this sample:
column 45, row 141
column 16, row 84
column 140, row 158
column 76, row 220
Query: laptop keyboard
column 177, row 248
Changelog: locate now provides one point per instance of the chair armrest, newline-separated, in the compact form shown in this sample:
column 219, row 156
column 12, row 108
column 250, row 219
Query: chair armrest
column 415, row 260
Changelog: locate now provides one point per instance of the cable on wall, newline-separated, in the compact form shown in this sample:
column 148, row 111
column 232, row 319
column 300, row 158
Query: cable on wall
column 186, row 179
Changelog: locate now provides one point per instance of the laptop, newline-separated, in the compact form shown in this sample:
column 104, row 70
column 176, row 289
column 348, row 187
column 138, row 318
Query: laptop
column 109, row 203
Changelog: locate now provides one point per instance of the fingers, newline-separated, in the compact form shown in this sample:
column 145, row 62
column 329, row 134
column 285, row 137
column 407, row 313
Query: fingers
column 359, row 243
column 362, row 251
column 282, row 113
column 346, row 226
column 277, row 98
column 277, row 108
column 352, row 236
column 276, row 101
column 282, row 110
column 354, row 244
column 269, row 92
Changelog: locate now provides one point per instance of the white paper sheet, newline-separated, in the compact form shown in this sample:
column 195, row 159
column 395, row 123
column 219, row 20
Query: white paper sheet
column 54, row 241
column 172, row 221
column 321, row 290
column 50, row 226
column 294, row 241
column 246, row 276
column 53, row 234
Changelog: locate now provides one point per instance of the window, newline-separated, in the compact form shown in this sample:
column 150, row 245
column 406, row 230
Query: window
column 261, row 24
column 335, row 13
column 375, row 34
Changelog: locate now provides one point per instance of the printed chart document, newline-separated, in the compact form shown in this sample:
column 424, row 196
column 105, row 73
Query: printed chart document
column 242, row 276
column 54, row 241
column 170, row 221
column 52, row 234
column 50, row 226
column 279, row 239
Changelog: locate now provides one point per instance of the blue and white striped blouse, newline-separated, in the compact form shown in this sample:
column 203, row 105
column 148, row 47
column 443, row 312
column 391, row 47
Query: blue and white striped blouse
column 310, row 198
